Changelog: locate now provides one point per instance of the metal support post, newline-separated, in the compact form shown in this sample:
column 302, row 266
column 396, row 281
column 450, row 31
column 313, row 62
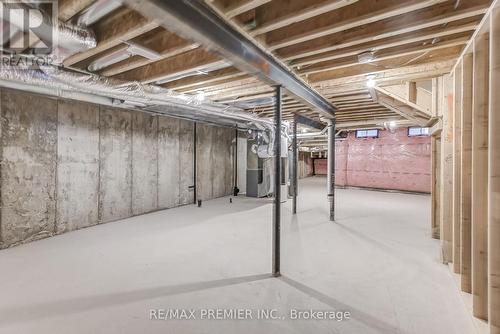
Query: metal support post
column 277, row 184
column 331, row 168
column 295, row 163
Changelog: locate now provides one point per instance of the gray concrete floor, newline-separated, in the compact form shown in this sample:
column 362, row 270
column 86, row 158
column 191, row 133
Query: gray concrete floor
column 377, row 262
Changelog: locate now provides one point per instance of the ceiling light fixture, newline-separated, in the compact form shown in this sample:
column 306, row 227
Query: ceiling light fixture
column 366, row 57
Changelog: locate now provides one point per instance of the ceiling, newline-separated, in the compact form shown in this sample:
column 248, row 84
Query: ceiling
column 334, row 45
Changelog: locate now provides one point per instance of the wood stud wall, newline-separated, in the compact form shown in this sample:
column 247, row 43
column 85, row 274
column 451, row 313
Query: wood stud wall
column 494, row 176
column 473, row 213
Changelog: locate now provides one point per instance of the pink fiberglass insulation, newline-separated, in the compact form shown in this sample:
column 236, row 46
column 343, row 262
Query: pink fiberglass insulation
column 392, row 161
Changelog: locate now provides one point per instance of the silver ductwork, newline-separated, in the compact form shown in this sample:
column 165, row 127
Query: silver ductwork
column 136, row 96
column 69, row 38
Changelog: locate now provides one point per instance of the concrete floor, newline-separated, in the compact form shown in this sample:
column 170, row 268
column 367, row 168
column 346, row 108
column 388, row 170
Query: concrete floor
column 377, row 262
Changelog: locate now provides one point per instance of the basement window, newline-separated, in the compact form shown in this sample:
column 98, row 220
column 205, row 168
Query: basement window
column 371, row 133
column 417, row 131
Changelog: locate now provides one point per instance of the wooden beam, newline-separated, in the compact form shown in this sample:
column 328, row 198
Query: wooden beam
column 466, row 174
column 383, row 65
column 421, row 36
column 446, row 176
column 69, row 8
column 412, row 92
column 122, row 25
column 479, row 200
column 412, row 72
column 384, row 55
column 457, row 20
column 239, row 7
column 401, row 100
column 214, row 77
column 288, row 18
column 494, row 175
column 185, row 63
column 402, row 110
column 435, row 192
column 363, row 14
column 166, row 44
column 457, row 137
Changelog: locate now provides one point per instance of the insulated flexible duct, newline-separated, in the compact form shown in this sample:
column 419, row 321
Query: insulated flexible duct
column 70, row 38
column 133, row 95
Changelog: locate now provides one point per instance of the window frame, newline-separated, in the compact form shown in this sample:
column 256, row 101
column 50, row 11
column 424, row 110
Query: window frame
column 366, row 136
column 421, row 134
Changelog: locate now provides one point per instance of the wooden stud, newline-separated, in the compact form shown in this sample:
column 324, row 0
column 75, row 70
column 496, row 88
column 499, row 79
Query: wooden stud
column 445, row 88
column 479, row 200
column 465, row 174
column 457, row 113
column 435, row 193
column 494, row 176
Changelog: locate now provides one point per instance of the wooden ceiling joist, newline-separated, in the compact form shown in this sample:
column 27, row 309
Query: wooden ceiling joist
column 288, row 18
column 407, row 23
column 362, row 15
column 122, row 25
column 319, row 40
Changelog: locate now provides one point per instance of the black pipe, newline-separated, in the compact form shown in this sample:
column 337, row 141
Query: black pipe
column 277, row 185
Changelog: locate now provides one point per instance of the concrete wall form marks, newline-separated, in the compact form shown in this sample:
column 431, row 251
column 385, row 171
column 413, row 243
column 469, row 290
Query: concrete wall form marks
column 67, row 165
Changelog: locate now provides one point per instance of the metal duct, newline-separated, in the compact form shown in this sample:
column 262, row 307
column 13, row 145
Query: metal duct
column 133, row 49
column 147, row 98
column 69, row 37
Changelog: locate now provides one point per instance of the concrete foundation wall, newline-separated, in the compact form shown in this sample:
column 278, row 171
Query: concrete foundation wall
column 67, row 165
column 215, row 160
column 77, row 165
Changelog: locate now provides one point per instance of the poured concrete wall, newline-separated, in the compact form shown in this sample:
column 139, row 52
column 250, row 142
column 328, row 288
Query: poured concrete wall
column 175, row 162
column 215, row 160
column 144, row 163
column 67, row 165
column 77, row 165
column 115, row 149
column 28, row 168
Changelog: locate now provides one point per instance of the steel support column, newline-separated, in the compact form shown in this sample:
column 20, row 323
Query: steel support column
column 295, row 163
column 277, row 185
column 331, row 168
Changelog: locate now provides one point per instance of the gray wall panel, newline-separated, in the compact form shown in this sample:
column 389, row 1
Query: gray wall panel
column 67, row 165
column 115, row 164
column 168, row 162
column 28, row 169
column 78, row 165
column 186, row 162
column 144, row 163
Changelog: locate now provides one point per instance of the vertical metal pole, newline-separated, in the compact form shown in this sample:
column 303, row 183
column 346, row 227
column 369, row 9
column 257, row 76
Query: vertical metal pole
column 277, row 185
column 331, row 168
column 295, row 163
